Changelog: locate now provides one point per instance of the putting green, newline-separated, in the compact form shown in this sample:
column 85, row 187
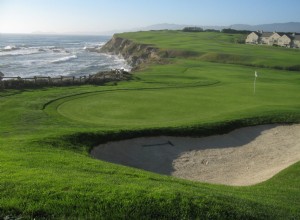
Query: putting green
column 136, row 107
column 181, row 104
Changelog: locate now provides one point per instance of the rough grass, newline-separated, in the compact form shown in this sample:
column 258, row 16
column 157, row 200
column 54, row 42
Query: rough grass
column 45, row 137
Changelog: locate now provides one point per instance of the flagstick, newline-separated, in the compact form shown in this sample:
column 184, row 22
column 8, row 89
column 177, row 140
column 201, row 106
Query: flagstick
column 254, row 85
column 255, row 76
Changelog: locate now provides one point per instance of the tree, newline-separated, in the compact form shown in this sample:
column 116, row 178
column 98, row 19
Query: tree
column 192, row 29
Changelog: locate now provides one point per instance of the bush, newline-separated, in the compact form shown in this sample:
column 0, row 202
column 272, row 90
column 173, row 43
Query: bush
column 192, row 29
column 233, row 31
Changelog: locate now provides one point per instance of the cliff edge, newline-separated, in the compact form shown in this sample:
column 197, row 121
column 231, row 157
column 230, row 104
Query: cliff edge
column 134, row 53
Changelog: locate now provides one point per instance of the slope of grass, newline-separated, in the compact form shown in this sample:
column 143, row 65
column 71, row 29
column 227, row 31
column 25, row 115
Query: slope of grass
column 219, row 47
column 45, row 137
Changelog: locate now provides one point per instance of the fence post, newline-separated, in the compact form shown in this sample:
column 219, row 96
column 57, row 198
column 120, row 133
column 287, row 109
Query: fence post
column 73, row 79
column 35, row 78
column 61, row 78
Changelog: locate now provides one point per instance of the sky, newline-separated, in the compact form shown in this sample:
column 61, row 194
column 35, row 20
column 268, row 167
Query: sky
column 87, row 16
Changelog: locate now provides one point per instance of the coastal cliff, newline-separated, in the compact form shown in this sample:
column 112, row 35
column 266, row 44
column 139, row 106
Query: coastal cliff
column 134, row 53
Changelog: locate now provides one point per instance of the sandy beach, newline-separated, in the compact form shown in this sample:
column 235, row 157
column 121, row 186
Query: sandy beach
column 242, row 157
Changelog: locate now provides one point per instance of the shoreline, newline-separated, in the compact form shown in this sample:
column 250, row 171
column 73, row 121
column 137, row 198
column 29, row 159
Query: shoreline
column 243, row 157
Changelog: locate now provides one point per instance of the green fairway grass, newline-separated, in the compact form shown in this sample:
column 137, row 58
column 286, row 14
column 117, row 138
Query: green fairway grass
column 219, row 92
column 46, row 134
column 219, row 47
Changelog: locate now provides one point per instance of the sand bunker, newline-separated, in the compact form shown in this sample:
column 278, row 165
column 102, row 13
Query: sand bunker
column 243, row 157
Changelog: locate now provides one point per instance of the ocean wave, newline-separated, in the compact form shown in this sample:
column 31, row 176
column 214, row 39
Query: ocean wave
column 10, row 48
column 53, row 57
column 114, row 58
column 19, row 52
column 64, row 59
column 91, row 49
column 94, row 47
column 72, row 43
column 25, row 50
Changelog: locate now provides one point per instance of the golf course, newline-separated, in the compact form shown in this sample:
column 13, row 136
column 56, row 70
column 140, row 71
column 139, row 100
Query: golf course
column 202, row 84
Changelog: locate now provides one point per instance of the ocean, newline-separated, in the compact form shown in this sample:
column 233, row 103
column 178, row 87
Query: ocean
column 52, row 55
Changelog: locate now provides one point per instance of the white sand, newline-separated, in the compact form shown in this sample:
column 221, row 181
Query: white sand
column 243, row 157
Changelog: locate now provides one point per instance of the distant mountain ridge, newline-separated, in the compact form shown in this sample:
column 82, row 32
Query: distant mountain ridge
column 166, row 26
column 278, row 27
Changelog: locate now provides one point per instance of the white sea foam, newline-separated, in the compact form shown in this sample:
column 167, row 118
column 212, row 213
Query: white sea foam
column 19, row 51
column 47, row 56
column 72, row 43
column 10, row 48
column 64, row 59
column 93, row 46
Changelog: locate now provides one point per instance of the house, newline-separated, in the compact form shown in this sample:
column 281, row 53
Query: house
column 273, row 38
column 296, row 41
column 284, row 41
column 265, row 38
column 269, row 38
column 253, row 38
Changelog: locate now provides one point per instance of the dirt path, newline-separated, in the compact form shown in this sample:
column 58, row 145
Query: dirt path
column 242, row 157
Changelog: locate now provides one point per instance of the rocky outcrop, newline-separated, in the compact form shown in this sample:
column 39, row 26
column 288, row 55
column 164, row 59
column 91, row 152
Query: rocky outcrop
column 135, row 54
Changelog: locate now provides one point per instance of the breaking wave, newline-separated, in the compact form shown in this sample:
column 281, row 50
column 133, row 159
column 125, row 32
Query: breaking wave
column 54, row 55
column 93, row 47
column 64, row 59
column 17, row 51
column 10, row 48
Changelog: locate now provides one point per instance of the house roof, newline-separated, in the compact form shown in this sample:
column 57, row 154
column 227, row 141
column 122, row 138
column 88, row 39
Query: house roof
column 288, row 36
column 256, row 33
column 267, row 34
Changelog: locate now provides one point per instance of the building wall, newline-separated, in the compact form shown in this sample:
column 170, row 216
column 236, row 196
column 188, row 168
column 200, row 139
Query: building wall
column 252, row 38
column 297, row 43
column 274, row 39
column 284, row 41
column 265, row 40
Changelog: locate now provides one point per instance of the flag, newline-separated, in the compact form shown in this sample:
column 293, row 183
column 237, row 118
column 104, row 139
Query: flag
column 255, row 76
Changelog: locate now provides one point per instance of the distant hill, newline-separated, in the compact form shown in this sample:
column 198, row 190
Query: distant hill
column 166, row 26
column 279, row 27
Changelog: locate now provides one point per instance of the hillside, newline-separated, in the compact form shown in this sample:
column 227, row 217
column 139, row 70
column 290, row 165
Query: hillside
column 206, row 46
column 279, row 27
